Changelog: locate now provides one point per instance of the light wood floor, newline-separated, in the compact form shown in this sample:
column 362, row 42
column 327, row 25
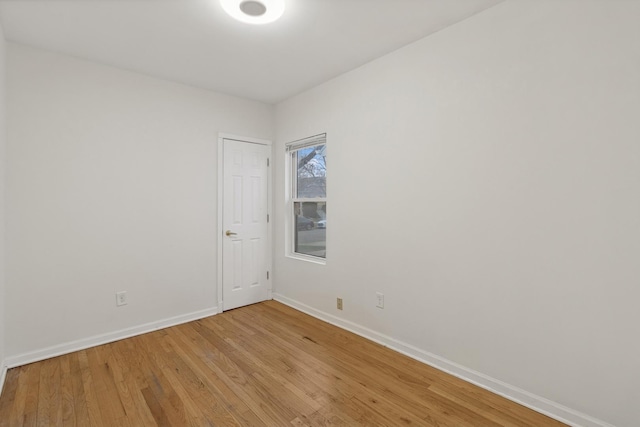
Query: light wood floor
column 265, row 364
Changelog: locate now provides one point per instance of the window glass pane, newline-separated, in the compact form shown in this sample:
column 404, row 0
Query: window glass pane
column 311, row 172
column 311, row 228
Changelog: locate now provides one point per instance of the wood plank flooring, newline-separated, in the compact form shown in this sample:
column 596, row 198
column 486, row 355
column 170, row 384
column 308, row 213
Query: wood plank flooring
column 261, row 365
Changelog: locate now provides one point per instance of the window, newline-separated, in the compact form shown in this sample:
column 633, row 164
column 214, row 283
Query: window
column 308, row 197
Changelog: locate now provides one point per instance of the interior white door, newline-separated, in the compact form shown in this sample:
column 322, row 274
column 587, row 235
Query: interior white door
column 244, row 221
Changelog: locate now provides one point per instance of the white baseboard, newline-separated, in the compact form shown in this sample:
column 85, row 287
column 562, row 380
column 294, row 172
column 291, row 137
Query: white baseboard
column 81, row 344
column 3, row 375
column 530, row 400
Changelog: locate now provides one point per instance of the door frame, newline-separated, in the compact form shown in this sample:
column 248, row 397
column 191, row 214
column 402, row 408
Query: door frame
column 220, row 227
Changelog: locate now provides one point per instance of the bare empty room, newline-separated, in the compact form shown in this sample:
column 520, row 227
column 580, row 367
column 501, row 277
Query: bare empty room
column 190, row 236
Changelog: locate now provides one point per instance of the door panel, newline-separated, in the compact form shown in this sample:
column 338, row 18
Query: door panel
column 244, row 220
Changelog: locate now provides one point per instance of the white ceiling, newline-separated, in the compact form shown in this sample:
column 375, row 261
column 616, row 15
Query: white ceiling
column 195, row 42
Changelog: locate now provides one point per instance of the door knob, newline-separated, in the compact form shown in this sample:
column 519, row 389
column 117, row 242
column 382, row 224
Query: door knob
column 229, row 233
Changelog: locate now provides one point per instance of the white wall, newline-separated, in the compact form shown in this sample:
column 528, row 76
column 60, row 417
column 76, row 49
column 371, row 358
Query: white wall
column 111, row 186
column 486, row 179
column 3, row 134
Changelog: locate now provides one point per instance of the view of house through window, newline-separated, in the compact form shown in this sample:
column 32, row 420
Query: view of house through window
column 309, row 196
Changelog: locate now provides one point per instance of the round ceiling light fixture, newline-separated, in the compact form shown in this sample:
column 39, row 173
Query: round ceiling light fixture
column 254, row 11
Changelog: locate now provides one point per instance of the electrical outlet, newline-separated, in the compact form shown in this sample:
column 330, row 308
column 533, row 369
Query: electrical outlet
column 121, row 298
column 380, row 297
column 339, row 303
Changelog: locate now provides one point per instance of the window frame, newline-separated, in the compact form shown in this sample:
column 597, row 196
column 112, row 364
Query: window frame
column 291, row 182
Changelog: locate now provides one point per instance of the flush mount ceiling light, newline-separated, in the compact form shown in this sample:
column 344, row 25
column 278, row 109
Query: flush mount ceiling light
column 254, row 11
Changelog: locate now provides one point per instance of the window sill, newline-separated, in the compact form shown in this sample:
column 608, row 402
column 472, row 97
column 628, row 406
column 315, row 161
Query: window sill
column 311, row 259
